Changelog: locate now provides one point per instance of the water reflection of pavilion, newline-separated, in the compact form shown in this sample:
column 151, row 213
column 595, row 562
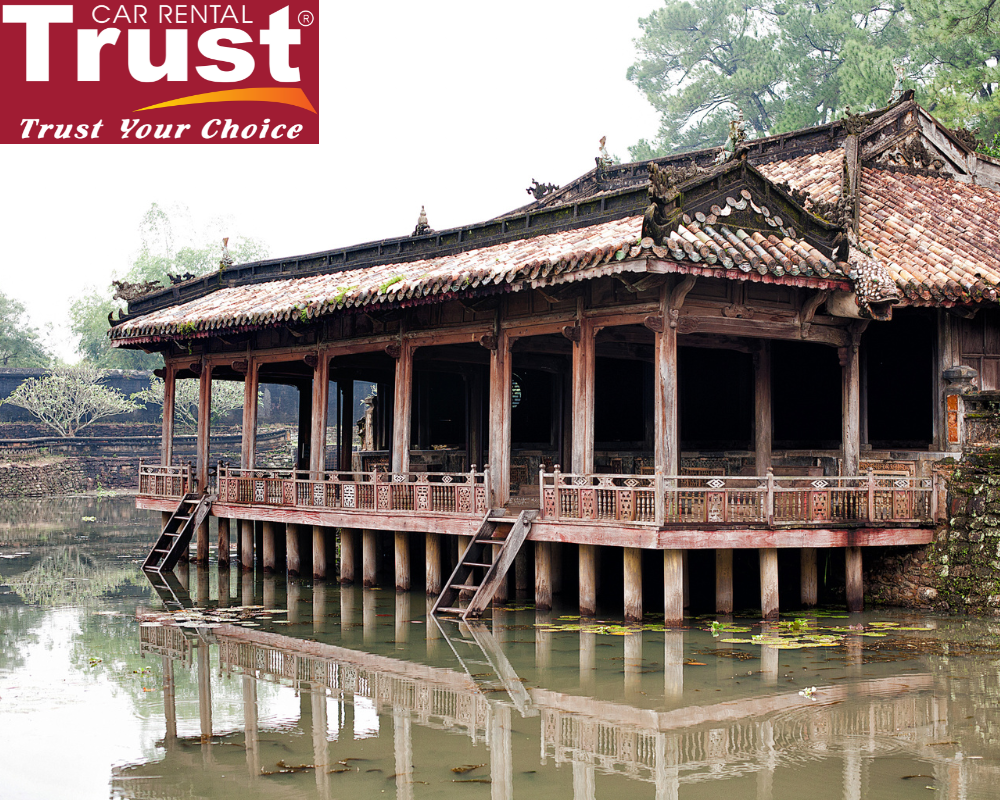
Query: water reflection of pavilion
column 671, row 748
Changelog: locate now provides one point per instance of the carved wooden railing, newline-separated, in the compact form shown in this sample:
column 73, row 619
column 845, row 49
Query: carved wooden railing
column 460, row 493
column 166, row 481
column 766, row 500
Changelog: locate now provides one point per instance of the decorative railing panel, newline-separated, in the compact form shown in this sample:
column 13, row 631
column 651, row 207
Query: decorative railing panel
column 166, row 481
column 726, row 501
column 458, row 493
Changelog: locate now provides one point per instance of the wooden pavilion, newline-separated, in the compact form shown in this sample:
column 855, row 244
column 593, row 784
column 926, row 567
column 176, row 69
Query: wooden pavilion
column 758, row 350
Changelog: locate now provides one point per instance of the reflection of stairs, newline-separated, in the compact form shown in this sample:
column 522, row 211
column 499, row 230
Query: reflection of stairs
column 177, row 533
column 171, row 592
column 477, row 572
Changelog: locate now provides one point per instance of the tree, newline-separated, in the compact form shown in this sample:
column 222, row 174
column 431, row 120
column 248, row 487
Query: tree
column 70, row 398
column 170, row 243
column 226, row 396
column 20, row 343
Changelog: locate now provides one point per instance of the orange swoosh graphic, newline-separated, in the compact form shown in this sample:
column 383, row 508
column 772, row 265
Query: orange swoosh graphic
column 288, row 96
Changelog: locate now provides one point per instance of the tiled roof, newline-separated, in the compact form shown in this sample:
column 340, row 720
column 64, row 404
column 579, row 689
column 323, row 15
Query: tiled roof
column 819, row 174
column 937, row 237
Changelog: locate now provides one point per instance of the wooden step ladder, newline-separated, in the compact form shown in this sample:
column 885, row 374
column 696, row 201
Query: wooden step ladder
column 177, row 533
column 478, row 573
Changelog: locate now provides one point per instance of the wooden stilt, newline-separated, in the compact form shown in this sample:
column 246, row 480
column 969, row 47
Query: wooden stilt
column 588, row 580
column 201, row 550
column 855, row 582
column 687, row 582
column 432, row 557
column 402, row 540
column 270, row 549
column 223, row 552
column 543, row 575
column 632, row 557
column 368, row 558
column 246, row 544
column 348, row 541
column 522, row 573
column 319, row 536
column 769, row 583
column 724, row 581
column 293, row 555
column 809, row 577
column 673, row 587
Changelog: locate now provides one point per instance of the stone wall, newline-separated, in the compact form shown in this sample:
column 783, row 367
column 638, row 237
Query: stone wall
column 58, row 476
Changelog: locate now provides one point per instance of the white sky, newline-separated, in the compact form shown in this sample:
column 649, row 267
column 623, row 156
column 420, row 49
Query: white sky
column 452, row 105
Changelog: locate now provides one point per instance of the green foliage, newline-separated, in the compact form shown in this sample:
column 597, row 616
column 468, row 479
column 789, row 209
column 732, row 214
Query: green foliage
column 226, row 396
column 170, row 243
column 20, row 343
column 993, row 148
column 70, row 398
column 793, row 64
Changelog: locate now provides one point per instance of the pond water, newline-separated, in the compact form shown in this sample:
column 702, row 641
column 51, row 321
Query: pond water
column 271, row 688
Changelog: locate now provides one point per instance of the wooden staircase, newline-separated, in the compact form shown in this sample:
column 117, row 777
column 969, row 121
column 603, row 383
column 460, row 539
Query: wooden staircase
column 477, row 573
column 177, row 533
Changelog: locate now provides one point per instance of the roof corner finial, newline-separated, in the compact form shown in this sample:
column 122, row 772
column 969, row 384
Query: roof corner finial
column 603, row 159
column 897, row 87
column 422, row 224
column 737, row 134
column 227, row 259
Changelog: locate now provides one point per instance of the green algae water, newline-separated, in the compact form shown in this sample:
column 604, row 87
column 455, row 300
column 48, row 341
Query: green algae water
column 230, row 685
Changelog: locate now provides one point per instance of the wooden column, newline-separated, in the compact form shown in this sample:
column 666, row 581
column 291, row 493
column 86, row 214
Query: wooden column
column 584, row 362
column 319, row 537
column 348, row 540
column 432, row 557
column 248, row 446
column 270, row 548
column 851, row 409
column 543, row 575
column 223, row 553
column 522, row 582
column 201, row 550
column 368, row 558
column 769, row 583
column 169, row 392
column 809, row 577
column 320, row 402
column 855, row 583
column 246, row 544
column 402, row 408
column 588, row 580
column 666, row 432
column 204, row 425
column 345, row 441
column 500, row 415
column 762, row 408
column 632, row 557
column 724, row 581
column 673, row 587
column 293, row 553
column 402, row 548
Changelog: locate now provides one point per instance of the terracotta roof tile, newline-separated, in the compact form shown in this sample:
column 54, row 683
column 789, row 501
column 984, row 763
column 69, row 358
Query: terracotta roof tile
column 819, row 174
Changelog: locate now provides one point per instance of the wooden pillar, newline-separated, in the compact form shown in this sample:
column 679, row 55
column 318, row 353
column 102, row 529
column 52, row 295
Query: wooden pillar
column 522, row 587
column 588, row 580
column 769, row 583
column 584, row 362
column 809, row 577
column 855, row 584
column 632, row 557
column 319, row 537
column 851, row 409
column 432, row 557
column 724, row 581
column 368, row 558
column 762, row 408
column 402, row 408
column 201, row 549
column 270, row 547
column 204, row 425
column 666, row 433
column 223, row 553
column 345, row 441
column 320, row 403
column 543, row 575
column 293, row 554
column 402, row 548
column 169, row 392
column 500, row 415
column 248, row 446
column 348, row 540
column 246, row 543
column 673, row 587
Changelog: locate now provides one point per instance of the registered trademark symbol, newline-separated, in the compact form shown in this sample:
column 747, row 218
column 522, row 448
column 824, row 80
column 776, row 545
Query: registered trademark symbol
column 306, row 18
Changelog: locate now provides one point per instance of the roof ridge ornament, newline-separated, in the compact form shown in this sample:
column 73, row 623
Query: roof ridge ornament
column 897, row 88
column 422, row 225
column 737, row 135
column 875, row 292
column 604, row 160
column 540, row 190
column 227, row 259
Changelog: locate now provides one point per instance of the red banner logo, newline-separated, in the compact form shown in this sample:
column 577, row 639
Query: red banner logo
column 160, row 73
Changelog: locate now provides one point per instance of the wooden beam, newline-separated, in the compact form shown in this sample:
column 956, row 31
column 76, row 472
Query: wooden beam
column 769, row 583
column 320, row 404
column 760, row 328
column 762, row 408
column 673, row 587
column 204, row 425
column 500, row 407
column 588, row 580
column 348, row 541
column 809, row 577
column 584, row 363
column 855, row 582
column 402, row 409
column 632, row 567
column 724, row 581
column 169, row 392
column 249, row 445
